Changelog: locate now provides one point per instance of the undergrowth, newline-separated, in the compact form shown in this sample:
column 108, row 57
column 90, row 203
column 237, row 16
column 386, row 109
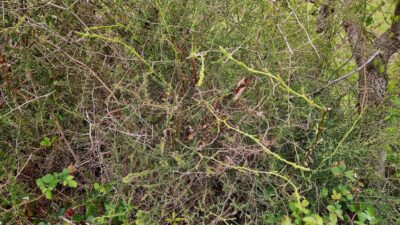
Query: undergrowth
column 189, row 112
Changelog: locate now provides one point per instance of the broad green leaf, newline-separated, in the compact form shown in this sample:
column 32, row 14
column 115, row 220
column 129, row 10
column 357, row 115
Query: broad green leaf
column 48, row 178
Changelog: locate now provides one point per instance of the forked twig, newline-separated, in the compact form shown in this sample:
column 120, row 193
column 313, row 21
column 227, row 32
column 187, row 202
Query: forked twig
column 348, row 74
column 25, row 103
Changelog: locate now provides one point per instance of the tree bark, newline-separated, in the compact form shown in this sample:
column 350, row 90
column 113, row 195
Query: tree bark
column 373, row 78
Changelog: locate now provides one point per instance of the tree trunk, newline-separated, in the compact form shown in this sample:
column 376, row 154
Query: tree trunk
column 373, row 77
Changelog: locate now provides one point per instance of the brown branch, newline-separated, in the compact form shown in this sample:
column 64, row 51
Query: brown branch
column 358, row 69
column 94, row 74
column 320, row 129
column 25, row 103
column 389, row 42
column 76, row 158
column 83, row 65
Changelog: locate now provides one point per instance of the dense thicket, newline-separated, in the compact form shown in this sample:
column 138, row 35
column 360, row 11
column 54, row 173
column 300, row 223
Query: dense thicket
column 199, row 112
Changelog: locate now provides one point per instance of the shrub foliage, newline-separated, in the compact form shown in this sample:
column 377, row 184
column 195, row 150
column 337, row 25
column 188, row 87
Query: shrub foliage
column 193, row 112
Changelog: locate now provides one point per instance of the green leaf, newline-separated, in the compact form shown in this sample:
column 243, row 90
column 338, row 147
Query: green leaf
column 339, row 213
column 319, row 220
column 350, row 174
column 335, row 195
column 332, row 218
column 78, row 218
column 270, row 219
column 338, row 170
column 362, row 216
column 369, row 20
column 324, row 192
column 395, row 19
column 48, row 178
column 39, row 183
column 309, row 220
column 382, row 69
column 72, row 184
column 313, row 220
column 331, row 208
column 46, row 142
column 286, row 221
column 293, row 206
column 65, row 172
column 305, row 203
column 353, row 208
column 49, row 194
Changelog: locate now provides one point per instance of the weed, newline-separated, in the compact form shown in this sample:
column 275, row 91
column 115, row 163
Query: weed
column 49, row 182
